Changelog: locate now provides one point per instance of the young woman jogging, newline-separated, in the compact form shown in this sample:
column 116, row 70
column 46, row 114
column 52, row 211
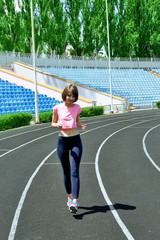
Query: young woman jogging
column 69, row 145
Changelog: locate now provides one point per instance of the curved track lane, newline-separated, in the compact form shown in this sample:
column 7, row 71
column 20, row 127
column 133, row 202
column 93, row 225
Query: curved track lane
column 119, row 196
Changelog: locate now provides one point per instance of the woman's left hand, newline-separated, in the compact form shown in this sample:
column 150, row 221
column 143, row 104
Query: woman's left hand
column 84, row 126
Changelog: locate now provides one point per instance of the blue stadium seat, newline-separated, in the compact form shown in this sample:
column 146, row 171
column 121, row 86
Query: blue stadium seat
column 132, row 84
column 14, row 98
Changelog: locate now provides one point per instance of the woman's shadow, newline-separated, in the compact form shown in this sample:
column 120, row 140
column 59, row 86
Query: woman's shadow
column 102, row 209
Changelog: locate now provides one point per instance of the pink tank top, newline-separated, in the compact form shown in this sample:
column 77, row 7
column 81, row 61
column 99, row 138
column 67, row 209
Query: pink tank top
column 67, row 115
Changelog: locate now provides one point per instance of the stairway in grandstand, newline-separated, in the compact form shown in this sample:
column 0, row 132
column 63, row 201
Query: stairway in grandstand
column 14, row 99
column 139, row 86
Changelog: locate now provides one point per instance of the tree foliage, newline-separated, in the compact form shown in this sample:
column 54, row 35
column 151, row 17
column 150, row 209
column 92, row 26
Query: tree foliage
column 133, row 27
column 73, row 11
column 10, row 22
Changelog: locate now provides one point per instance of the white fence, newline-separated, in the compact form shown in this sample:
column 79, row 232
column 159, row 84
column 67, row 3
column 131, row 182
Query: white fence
column 77, row 62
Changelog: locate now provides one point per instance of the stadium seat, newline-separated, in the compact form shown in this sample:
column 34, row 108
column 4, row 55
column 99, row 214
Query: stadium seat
column 14, row 98
column 132, row 84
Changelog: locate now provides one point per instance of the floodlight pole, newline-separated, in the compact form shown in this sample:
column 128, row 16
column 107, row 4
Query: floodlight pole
column 34, row 67
column 109, row 58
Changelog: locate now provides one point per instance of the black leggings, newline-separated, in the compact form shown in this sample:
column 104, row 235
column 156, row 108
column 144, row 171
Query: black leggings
column 70, row 167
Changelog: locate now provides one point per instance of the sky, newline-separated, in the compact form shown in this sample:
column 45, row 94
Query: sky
column 17, row 8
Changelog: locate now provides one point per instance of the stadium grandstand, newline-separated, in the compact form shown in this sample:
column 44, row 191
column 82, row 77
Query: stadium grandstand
column 138, row 86
column 137, row 82
column 14, row 99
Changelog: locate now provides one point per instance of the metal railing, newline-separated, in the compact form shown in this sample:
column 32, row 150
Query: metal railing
column 6, row 59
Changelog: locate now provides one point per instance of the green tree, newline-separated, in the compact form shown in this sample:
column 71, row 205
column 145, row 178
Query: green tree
column 25, row 28
column 131, row 28
column 113, row 28
column 142, row 22
column 87, row 44
column 50, row 26
column 9, row 26
column 56, row 26
column 97, row 27
column 94, row 26
column 138, row 22
column 73, row 13
column 117, row 28
column 154, row 11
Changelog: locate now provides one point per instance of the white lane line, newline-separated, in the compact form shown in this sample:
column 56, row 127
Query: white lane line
column 21, row 202
column 88, row 123
column 18, row 134
column 105, row 195
column 145, row 148
column 22, row 199
column 58, row 132
column 23, row 196
column 27, row 143
column 122, row 121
